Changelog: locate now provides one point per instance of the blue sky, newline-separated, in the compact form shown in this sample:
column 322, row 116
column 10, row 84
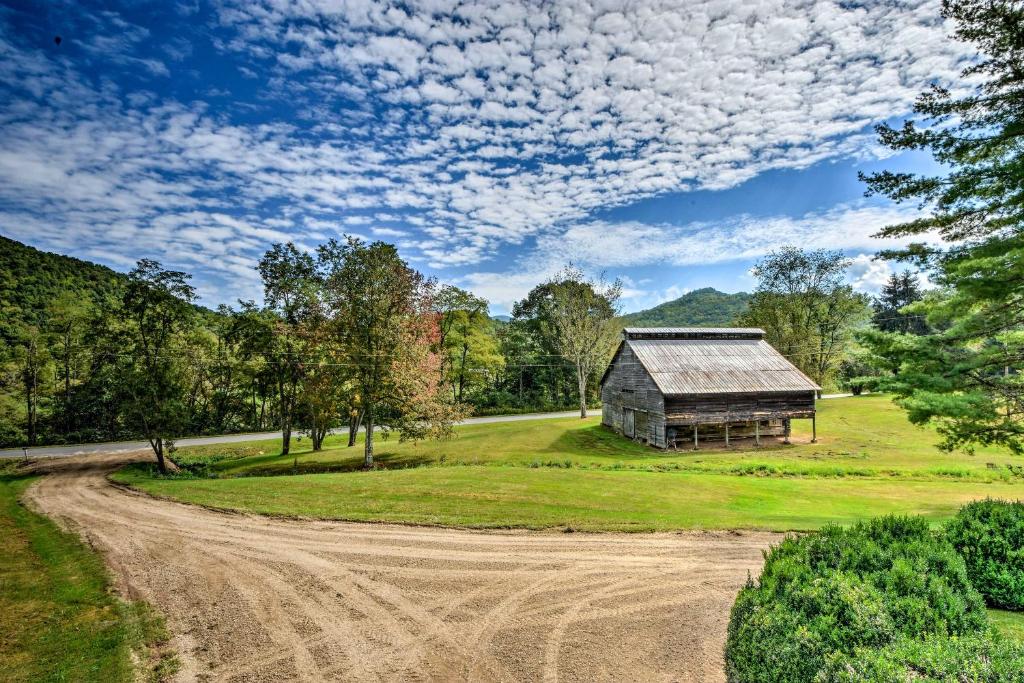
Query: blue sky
column 671, row 144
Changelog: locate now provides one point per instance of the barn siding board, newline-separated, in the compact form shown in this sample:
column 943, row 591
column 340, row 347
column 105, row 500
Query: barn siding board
column 708, row 377
column 628, row 385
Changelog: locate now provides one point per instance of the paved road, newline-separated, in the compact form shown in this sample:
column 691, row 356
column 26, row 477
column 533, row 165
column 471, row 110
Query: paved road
column 128, row 446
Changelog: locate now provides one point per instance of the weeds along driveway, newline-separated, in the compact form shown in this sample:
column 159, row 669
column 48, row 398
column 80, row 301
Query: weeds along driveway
column 258, row 599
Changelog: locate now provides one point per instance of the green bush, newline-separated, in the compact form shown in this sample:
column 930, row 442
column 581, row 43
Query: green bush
column 989, row 534
column 938, row 659
column 832, row 592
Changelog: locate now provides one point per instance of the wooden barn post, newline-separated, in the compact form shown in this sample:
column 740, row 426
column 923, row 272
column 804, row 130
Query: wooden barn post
column 814, row 429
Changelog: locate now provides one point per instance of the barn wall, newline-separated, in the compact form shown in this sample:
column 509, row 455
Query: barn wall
column 741, row 404
column 627, row 385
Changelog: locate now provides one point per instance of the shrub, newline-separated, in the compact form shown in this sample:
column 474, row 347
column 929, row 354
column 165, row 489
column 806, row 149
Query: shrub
column 939, row 659
column 832, row 592
column 989, row 534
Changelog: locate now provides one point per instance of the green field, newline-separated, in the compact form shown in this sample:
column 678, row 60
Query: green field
column 865, row 436
column 573, row 473
column 58, row 619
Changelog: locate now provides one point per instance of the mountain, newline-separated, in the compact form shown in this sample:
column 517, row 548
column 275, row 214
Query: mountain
column 31, row 279
column 700, row 308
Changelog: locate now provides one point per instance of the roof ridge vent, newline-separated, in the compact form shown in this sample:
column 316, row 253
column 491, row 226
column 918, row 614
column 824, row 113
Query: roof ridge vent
column 696, row 333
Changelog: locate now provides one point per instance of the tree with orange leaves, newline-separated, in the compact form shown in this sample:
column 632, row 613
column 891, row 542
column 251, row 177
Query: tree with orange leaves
column 382, row 322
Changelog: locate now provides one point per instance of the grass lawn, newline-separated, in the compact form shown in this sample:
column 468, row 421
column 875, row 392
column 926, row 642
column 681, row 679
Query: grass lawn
column 573, row 473
column 58, row 619
column 1010, row 624
column 863, row 436
column 478, row 496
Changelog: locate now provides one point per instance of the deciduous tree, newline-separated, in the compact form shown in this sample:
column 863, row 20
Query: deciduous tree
column 290, row 282
column 468, row 347
column 806, row 309
column 383, row 322
column 156, row 313
column 583, row 316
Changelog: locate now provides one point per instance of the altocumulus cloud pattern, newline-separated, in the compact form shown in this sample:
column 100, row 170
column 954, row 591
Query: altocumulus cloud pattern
column 472, row 134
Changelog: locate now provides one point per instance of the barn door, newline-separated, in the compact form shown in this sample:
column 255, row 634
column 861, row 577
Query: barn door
column 641, row 425
column 628, row 426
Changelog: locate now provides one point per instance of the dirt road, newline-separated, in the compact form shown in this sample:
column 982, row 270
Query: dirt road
column 257, row 599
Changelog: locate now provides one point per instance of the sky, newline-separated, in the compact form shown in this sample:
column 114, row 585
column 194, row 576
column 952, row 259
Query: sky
column 669, row 144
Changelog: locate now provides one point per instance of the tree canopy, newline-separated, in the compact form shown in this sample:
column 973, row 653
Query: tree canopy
column 806, row 308
column 965, row 377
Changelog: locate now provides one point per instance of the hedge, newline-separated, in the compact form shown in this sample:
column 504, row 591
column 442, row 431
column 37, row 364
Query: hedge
column 935, row 659
column 989, row 534
column 831, row 593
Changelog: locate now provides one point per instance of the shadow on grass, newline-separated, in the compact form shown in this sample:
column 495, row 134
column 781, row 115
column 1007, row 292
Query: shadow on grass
column 602, row 442
column 306, row 461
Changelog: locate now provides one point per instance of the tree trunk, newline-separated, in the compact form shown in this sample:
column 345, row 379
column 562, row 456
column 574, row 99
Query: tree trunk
column 354, row 422
column 158, row 448
column 67, row 388
column 368, row 448
column 581, row 378
column 286, row 437
column 318, row 433
column 30, row 410
column 462, row 372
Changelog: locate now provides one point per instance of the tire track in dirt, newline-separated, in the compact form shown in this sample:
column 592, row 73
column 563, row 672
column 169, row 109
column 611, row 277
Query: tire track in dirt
column 250, row 598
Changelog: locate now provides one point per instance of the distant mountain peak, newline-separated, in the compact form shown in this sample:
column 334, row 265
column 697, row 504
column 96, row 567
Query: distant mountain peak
column 704, row 307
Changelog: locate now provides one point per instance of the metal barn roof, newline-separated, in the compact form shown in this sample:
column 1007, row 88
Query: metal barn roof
column 692, row 332
column 715, row 366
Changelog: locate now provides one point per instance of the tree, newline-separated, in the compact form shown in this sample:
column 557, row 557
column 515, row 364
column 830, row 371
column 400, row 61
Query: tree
column 583, row 316
column 899, row 292
column 30, row 359
column 383, row 323
column 325, row 385
column 466, row 342
column 66, row 319
column 806, row 309
column 530, row 345
column 156, row 313
column 964, row 376
column 290, row 281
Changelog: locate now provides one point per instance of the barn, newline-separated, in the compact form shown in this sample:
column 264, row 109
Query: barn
column 681, row 386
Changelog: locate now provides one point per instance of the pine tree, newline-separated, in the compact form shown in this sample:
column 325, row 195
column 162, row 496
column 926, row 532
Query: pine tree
column 899, row 292
column 965, row 377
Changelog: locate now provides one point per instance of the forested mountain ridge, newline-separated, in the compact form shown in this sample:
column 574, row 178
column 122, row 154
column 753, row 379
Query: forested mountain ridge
column 31, row 280
column 705, row 307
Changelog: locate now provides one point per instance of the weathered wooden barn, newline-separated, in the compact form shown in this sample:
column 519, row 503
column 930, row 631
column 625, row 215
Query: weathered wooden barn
column 679, row 386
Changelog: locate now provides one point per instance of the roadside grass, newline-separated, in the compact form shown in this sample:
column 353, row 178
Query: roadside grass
column 1010, row 624
column 58, row 619
column 586, row 500
column 863, row 436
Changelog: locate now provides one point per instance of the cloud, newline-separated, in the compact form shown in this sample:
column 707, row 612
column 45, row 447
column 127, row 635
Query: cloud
column 599, row 246
column 600, row 243
column 480, row 124
column 868, row 274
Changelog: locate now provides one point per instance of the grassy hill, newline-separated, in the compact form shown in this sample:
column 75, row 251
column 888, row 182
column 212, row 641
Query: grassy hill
column 700, row 308
column 31, row 279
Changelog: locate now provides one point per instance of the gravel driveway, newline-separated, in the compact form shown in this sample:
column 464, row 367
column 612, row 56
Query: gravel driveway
column 251, row 598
